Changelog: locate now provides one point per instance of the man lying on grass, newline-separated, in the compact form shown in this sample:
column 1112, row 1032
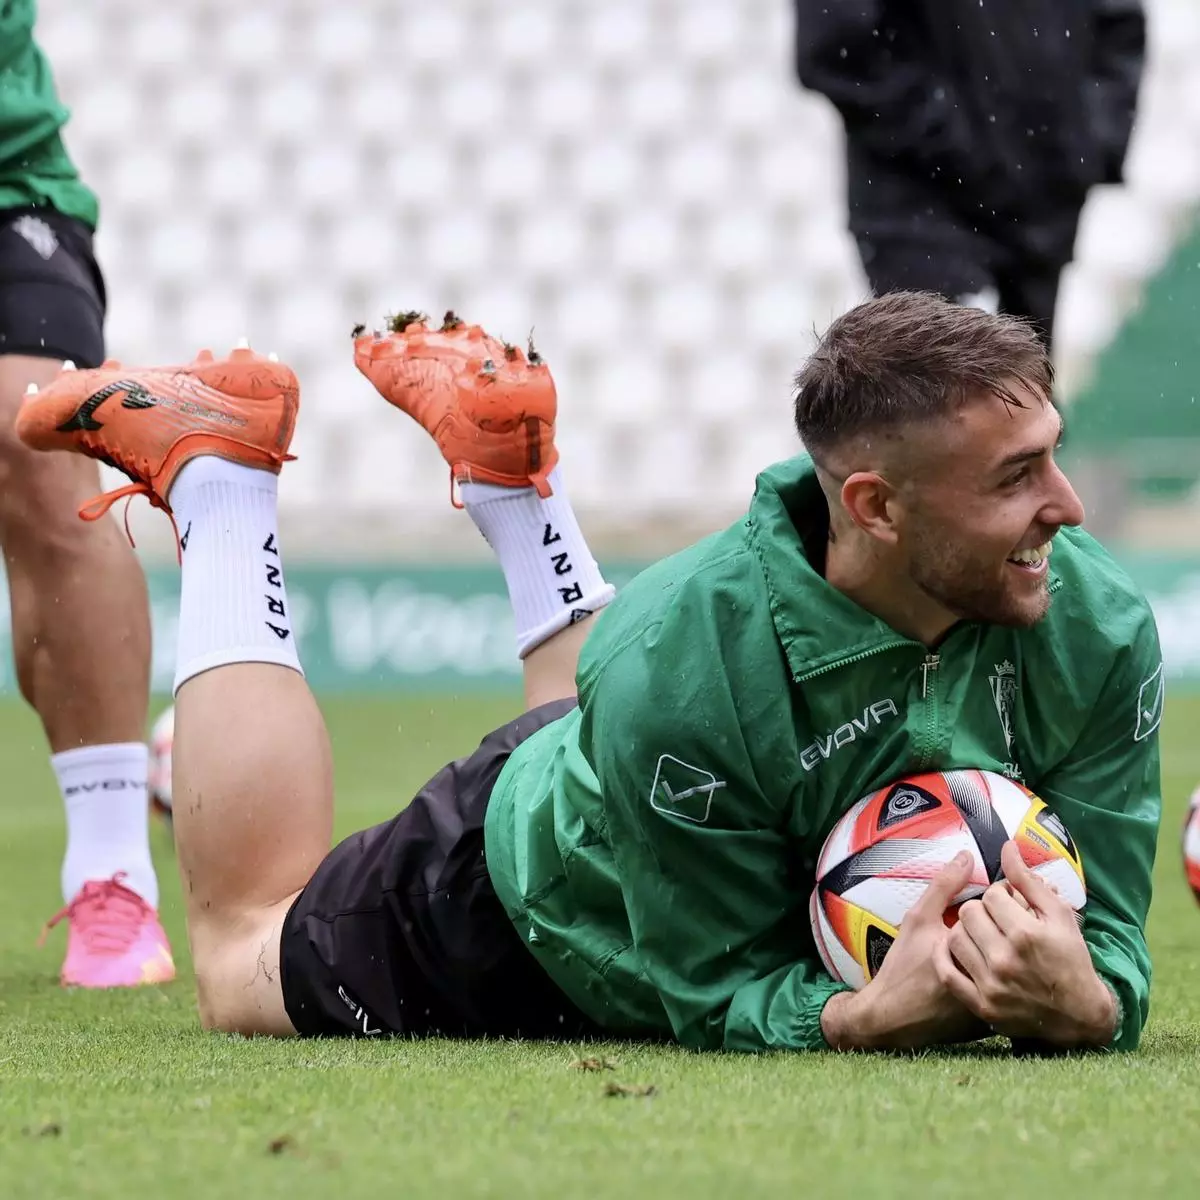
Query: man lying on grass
column 633, row 856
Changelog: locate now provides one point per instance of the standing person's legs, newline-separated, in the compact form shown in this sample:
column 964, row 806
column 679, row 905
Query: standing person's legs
column 1030, row 267
column 80, row 613
column 1031, row 290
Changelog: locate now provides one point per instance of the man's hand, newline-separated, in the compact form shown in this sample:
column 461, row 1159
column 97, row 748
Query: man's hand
column 907, row 1004
column 1018, row 961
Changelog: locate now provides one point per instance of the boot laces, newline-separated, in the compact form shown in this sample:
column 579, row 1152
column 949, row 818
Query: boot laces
column 105, row 914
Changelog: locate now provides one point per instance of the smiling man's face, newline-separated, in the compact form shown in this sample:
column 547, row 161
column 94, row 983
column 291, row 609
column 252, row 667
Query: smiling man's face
column 983, row 506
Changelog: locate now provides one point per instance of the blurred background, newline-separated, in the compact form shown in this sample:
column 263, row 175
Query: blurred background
column 643, row 183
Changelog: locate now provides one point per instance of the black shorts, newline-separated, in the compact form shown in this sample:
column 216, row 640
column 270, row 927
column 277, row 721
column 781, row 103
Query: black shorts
column 400, row 931
column 52, row 298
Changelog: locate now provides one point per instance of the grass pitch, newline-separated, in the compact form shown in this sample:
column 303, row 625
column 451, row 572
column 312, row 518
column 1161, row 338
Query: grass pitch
column 121, row 1095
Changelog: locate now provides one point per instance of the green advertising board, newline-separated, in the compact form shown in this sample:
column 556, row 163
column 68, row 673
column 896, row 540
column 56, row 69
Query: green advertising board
column 449, row 628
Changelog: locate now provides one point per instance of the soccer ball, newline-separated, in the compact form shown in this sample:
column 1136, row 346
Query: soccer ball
column 878, row 860
column 1191, row 843
column 158, row 779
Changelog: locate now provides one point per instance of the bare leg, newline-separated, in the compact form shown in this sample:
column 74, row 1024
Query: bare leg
column 253, row 777
column 549, row 669
column 253, row 819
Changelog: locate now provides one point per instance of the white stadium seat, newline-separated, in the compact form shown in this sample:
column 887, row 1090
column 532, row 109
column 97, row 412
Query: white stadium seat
column 459, row 241
column 180, row 249
column 145, row 183
column 512, row 171
column 560, row 102
column 523, row 34
column 745, row 102
column 658, row 100
column 708, row 31
column 113, row 109
column 288, row 109
column 605, row 171
column 1089, row 311
column 379, row 106
column 778, row 312
column 251, row 37
column 722, row 384
column 276, row 250
column 197, row 110
column 688, row 315
column 553, row 240
column 738, row 241
column 701, row 171
column 436, row 35
column 325, row 179
column 1121, row 238
column 338, row 37
column 646, row 242
column 631, row 391
column 620, row 35
column 417, row 173
column 233, row 177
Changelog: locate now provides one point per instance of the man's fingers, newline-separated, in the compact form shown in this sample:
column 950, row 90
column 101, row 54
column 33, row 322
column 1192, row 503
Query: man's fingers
column 942, row 888
column 1017, row 897
column 976, row 925
column 965, row 952
column 1007, row 907
column 1027, row 883
column 952, row 977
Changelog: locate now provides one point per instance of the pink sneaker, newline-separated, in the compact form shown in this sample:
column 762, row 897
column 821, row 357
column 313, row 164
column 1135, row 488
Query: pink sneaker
column 115, row 938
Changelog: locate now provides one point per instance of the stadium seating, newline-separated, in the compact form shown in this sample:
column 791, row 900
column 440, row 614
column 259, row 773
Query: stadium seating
column 641, row 181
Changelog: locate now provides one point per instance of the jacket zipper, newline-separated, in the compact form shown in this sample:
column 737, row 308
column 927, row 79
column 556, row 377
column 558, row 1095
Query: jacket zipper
column 896, row 644
column 929, row 694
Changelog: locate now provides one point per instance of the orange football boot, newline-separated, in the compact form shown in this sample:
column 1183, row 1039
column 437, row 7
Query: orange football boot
column 148, row 422
column 489, row 407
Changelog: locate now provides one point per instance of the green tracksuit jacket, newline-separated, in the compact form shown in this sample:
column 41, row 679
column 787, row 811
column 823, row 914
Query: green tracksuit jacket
column 656, row 847
column 34, row 166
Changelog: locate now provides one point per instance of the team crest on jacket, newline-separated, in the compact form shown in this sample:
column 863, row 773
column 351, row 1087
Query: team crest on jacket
column 1004, row 696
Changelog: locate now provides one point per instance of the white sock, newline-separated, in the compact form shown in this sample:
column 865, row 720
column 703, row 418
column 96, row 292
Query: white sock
column 108, row 817
column 232, row 602
column 553, row 580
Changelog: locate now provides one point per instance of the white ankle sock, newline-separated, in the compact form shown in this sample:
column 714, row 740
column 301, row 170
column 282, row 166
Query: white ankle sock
column 553, row 580
column 104, row 792
column 232, row 603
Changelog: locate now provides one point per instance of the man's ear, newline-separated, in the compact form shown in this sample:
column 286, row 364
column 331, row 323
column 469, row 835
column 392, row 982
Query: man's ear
column 872, row 504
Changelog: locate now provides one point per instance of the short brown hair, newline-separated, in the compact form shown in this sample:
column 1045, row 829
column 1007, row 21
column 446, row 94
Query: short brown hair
column 911, row 356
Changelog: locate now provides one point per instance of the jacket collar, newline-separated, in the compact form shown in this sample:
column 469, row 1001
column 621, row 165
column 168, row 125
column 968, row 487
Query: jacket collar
column 818, row 626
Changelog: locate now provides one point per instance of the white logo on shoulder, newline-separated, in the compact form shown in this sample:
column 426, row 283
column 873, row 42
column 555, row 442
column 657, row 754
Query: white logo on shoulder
column 1150, row 699
column 38, row 234
column 681, row 790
